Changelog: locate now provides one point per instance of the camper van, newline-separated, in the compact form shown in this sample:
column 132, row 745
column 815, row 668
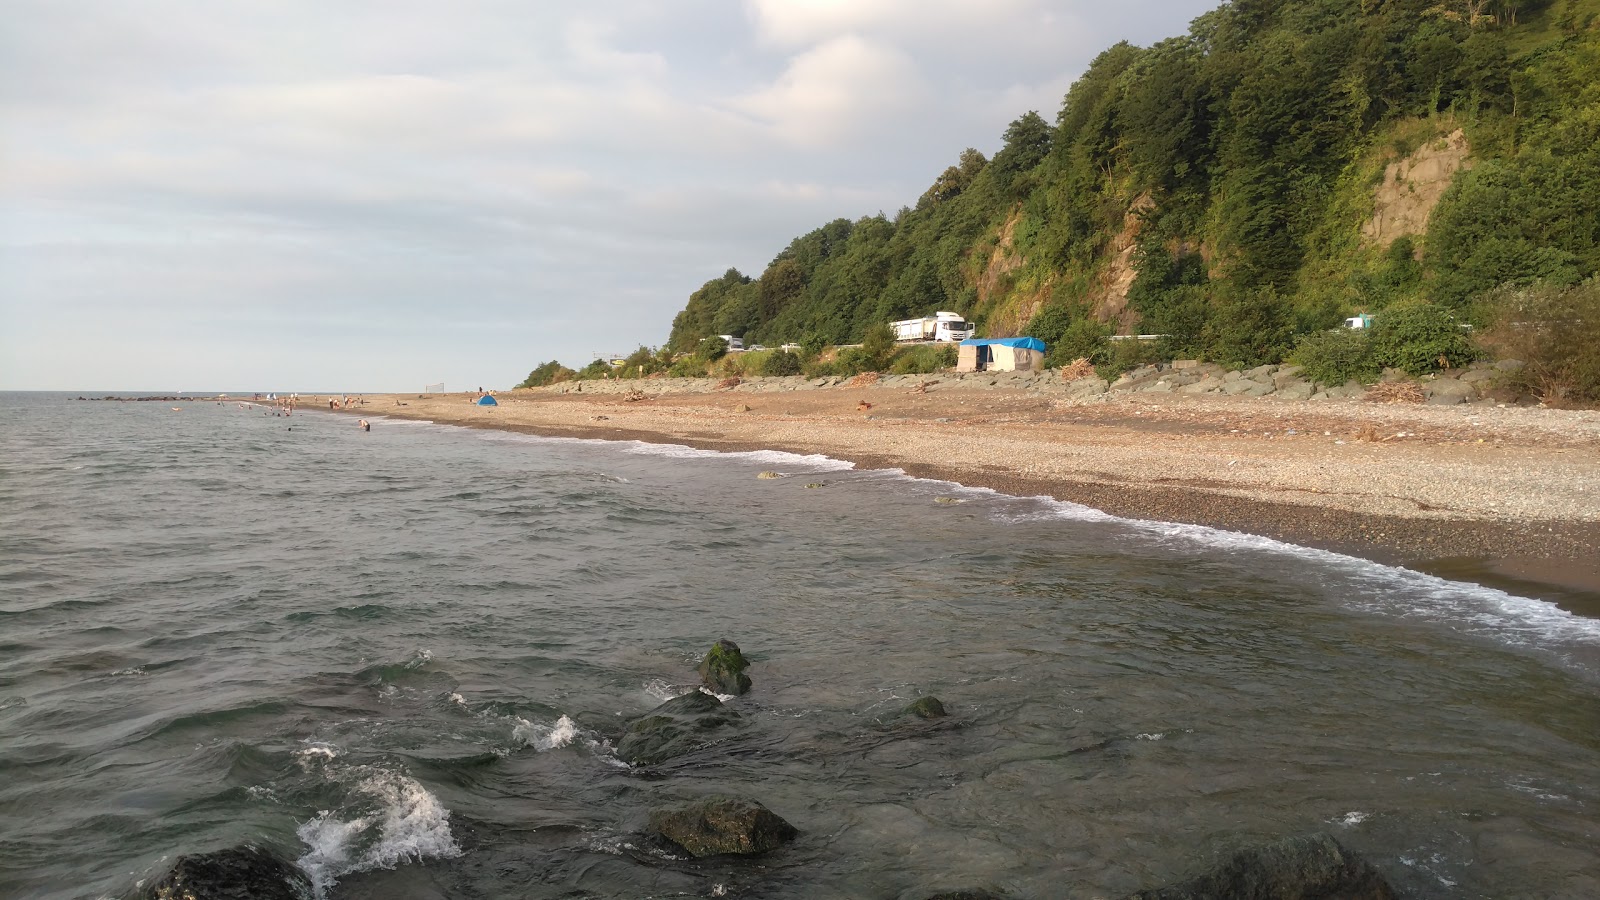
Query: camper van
column 1360, row 322
column 941, row 326
column 732, row 342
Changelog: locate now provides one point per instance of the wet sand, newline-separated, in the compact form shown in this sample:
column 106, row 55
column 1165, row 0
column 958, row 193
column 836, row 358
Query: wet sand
column 1508, row 497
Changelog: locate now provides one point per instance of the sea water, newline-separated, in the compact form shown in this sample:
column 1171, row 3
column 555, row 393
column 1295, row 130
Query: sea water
column 402, row 658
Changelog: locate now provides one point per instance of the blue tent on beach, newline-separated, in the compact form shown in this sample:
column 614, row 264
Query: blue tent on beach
column 487, row 400
column 1013, row 354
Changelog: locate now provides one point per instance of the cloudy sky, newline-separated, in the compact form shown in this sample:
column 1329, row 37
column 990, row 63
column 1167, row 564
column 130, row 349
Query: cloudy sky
column 376, row 194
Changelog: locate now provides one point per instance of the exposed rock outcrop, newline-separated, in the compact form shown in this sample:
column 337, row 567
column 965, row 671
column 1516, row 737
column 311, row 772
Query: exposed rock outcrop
column 1310, row 867
column 674, row 728
column 719, row 825
column 927, row 707
column 1413, row 186
column 237, row 873
column 722, row 670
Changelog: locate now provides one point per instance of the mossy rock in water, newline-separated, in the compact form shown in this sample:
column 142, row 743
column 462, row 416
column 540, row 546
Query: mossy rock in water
column 246, row 871
column 723, row 668
column 769, row 475
column 946, row 500
column 1309, row 866
column 927, row 707
column 720, row 825
column 817, row 484
column 674, row 728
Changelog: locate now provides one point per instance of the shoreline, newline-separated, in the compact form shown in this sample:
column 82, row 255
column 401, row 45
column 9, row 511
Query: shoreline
column 1505, row 498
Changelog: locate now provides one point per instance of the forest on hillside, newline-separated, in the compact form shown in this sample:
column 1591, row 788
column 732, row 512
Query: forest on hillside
column 1214, row 187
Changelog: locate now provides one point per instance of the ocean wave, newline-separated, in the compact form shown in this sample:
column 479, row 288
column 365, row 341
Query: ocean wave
column 1371, row 587
column 545, row 737
column 387, row 818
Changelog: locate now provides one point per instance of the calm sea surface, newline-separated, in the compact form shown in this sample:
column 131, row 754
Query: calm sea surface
column 402, row 658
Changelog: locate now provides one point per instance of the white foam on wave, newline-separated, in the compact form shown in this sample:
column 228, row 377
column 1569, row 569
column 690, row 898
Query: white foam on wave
column 662, row 691
column 1368, row 586
column 389, row 819
column 813, row 462
column 545, row 737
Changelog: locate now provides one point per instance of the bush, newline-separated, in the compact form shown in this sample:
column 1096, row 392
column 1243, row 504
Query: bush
column 780, row 362
column 551, row 372
column 1128, row 354
column 595, row 370
column 1555, row 331
column 1419, row 337
column 1083, row 339
column 924, row 359
column 1335, row 357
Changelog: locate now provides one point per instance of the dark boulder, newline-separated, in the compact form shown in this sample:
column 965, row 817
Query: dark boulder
column 237, row 873
column 1310, row 867
column 964, row 895
column 674, row 728
column 927, row 707
column 723, row 668
column 721, row 825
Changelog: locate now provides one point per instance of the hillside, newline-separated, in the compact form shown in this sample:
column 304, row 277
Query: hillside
column 1282, row 165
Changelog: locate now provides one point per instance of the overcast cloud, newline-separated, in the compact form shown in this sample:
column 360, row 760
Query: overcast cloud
column 370, row 195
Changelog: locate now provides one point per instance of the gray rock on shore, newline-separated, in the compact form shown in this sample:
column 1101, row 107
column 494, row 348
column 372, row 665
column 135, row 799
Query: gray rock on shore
column 1309, row 867
column 247, row 872
column 721, row 825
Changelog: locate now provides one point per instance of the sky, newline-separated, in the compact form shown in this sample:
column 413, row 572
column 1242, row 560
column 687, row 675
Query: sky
column 374, row 195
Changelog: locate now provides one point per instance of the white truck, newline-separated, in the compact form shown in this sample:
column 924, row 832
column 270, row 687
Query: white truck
column 941, row 326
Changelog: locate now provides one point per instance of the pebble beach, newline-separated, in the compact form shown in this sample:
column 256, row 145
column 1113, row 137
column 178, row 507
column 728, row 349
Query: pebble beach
column 1495, row 493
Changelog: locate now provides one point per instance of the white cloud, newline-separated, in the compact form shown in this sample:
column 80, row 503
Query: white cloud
column 845, row 85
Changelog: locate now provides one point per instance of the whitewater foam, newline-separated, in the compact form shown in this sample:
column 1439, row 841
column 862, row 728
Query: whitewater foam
column 545, row 737
column 387, row 819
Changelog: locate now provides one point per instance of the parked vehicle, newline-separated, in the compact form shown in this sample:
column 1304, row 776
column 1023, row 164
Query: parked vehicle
column 941, row 326
column 1359, row 322
column 732, row 342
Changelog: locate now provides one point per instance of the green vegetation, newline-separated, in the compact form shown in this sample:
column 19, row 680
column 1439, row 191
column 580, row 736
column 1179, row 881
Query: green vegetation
column 1555, row 332
column 547, row 373
column 1242, row 160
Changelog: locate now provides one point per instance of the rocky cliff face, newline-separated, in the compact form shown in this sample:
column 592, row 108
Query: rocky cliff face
column 1413, row 186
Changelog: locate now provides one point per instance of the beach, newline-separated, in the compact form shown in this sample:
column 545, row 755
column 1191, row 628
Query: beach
column 1503, row 495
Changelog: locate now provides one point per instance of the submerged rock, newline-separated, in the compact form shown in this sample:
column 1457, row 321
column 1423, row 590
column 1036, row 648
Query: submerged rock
column 1310, row 867
column 720, row 825
column 769, row 474
column 237, row 873
column 927, row 707
column 674, row 728
column 722, row 670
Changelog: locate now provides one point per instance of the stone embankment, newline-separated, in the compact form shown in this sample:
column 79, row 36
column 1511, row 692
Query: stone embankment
column 1474, row 384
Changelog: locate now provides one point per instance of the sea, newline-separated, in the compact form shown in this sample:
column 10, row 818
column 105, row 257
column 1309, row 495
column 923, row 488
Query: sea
column 401, row 658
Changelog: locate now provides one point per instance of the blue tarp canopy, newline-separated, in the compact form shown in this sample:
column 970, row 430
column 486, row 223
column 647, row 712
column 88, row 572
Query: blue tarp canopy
column 1026, row 343
column 487, row 400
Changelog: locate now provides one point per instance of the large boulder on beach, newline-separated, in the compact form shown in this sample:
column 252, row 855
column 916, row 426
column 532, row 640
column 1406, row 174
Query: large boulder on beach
column 1310, row 867
column 237, row 873
column 718, row 825
column 674, row 728
column 722, row 670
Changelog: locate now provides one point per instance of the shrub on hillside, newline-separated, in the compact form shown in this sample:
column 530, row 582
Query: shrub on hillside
column 551, row 372
column 1335, row 357
column 781, row 362
column 923, row 360
column 1082, row 339
column 1419, row 337
column 1555, row 331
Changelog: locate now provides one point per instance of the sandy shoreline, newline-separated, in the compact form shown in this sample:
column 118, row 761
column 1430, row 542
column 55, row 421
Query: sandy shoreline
column 1503, row 496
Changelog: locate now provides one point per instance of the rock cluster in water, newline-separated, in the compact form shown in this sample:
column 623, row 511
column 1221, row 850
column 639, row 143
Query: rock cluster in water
column 237, row 873
column 1311, row 867
column 720, row 824
column 674, row 728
